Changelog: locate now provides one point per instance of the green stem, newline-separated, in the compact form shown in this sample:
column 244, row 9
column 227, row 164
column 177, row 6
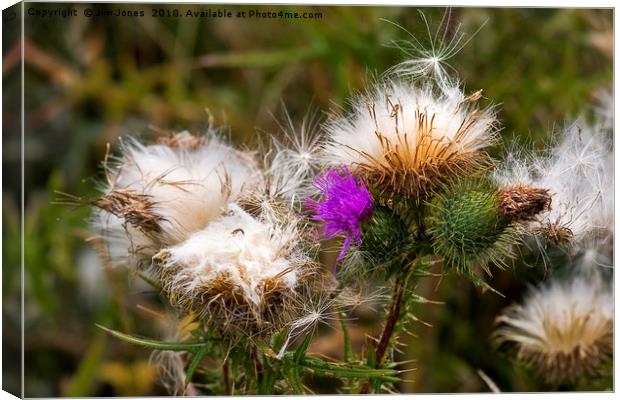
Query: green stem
column 348, row 351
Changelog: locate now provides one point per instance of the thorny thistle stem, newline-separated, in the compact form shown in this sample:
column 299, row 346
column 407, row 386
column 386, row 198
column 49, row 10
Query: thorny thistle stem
column 390, row 323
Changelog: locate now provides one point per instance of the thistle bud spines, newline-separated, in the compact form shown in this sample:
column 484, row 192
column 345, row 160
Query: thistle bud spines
column 467, row 227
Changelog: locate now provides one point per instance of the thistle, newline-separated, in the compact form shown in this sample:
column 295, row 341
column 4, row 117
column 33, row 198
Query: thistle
column 344, row 204
column 404, row 139
column 563, row 330
column 239, row 273
column 386, row 240
column 575, row 170
column 467, row 225
column 158, row 195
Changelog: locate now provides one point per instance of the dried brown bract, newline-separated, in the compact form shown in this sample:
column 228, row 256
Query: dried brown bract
column 134, row 208
column 523, row 203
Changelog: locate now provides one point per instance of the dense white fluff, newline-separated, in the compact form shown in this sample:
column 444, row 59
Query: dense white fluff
column 392, row 111
column 189, row 186
column 578, row 171
column 236, row 247
column 564, row 329
column 186, row 185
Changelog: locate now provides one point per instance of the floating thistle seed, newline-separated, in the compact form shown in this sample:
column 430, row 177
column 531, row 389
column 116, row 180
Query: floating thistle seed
column 563, row 330
column 405, row 140
column 343, row 204
column 240, row 272
column 467, row 226
column 158, row 195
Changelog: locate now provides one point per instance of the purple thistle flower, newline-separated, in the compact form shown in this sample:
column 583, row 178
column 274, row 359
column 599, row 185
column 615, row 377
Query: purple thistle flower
column 344, row 203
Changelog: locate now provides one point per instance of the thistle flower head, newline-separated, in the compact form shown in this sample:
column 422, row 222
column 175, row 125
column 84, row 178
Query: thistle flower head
column 240, row 272
column 404, row 140
column 343, row 204
column 563, row 330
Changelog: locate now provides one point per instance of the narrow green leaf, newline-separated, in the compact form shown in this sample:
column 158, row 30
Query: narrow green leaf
column 300, row 353
column 153, row 344
column 198, row 357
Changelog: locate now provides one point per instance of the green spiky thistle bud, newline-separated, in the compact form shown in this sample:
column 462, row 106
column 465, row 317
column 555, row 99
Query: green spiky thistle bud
column 386, row 240
column 467, row 226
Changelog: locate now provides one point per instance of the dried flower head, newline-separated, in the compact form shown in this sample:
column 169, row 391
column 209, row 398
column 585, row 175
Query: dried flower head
column 405, row 140
column 240, row 272
column 343, row 204
column 158, row 195
column 563, row 330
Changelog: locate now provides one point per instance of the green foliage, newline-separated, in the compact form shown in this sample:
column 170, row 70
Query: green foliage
column 466, row 226
column 386, row 241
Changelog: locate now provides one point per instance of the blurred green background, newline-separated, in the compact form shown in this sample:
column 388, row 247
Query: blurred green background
column 90, row 80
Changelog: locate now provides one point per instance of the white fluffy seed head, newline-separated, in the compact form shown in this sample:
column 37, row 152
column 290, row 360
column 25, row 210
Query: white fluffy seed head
column 158, row 195
column 564, row 330
column 404, row 138
column 241, row 271
column 578, row 172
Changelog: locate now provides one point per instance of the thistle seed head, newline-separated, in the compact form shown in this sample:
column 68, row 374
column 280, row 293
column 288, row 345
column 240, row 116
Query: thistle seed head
column 576, row 171
column 405, row 140
column 157, row 195
column 241, row 273
column 563, row 330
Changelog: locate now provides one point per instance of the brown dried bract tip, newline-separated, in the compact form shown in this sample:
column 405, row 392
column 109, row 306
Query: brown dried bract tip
column 558, row 235
column 135, row 209
column 182, row 139
column 523, row 203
